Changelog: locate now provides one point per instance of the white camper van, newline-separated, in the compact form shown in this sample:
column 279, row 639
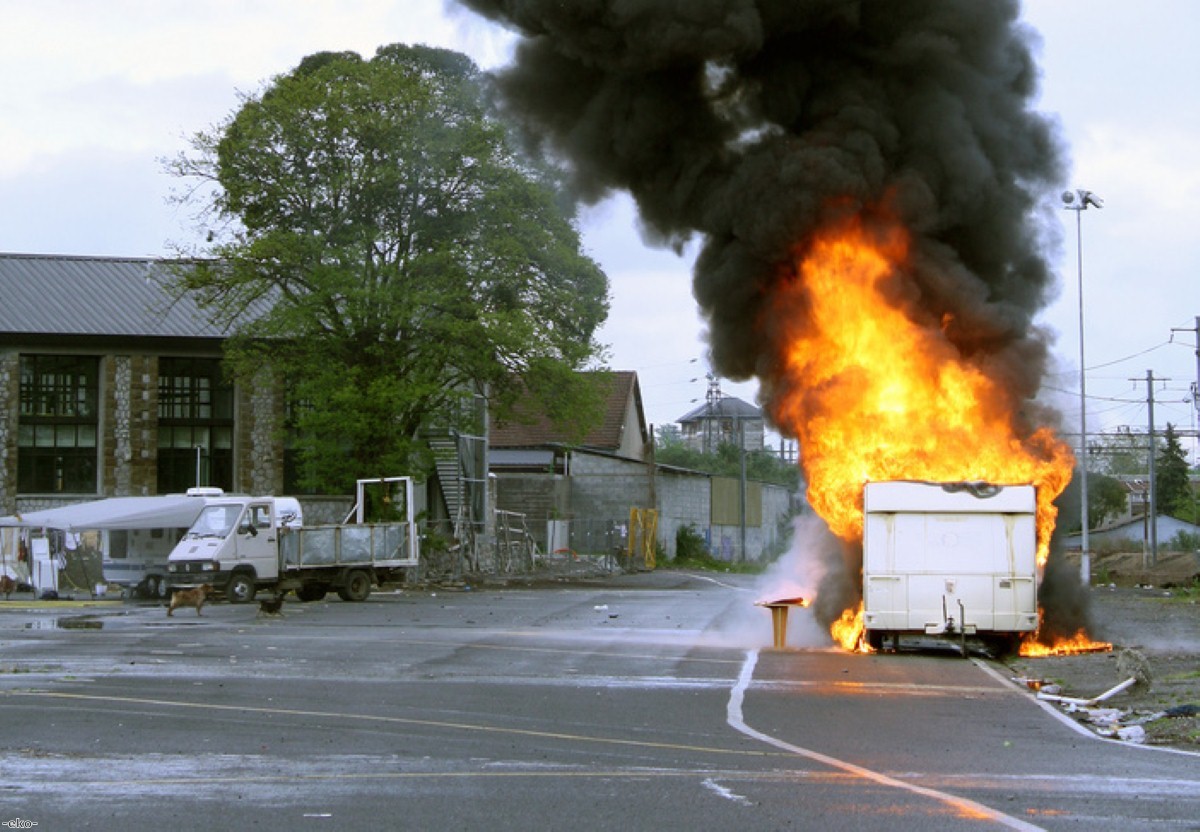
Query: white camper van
column 136, row 534
column 950, row 559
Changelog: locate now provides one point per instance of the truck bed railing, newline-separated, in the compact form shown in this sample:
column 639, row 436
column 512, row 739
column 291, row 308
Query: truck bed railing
column 367, row 544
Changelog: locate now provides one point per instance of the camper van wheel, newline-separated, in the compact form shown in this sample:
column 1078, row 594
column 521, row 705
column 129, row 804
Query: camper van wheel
column 152, row 587
column 240, row 589
column 357, row 586
column 1002, row 645
column 875, row 640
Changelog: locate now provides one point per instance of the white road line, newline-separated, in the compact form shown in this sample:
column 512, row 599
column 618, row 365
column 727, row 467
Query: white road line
column 733, row 716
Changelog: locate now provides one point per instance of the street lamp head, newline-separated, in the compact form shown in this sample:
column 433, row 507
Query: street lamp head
column 1086, row 198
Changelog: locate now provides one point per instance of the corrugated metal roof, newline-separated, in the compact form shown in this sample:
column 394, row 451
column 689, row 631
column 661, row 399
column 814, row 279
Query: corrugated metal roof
column 105, row 296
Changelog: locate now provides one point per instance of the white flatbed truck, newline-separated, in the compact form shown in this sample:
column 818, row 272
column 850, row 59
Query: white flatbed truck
column 241, row 545
column 949, row 560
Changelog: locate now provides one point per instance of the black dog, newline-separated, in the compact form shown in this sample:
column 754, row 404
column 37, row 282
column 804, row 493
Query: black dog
column 271, row 606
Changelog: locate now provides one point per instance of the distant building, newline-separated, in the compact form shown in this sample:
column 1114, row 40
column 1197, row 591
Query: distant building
column 1132, row 535
column 722, row 420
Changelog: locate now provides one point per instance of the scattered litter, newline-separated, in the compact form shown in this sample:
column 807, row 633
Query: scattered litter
column 1104, row 716
column 1113, row 723
column 1054, row 697
column 600, row 607
column 1128, row 733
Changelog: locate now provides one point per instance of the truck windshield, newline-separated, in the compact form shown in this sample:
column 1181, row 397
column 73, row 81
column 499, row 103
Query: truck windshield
column 215, row 521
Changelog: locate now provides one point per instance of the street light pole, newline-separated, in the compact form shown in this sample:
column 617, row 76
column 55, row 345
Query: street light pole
column 1078, row 201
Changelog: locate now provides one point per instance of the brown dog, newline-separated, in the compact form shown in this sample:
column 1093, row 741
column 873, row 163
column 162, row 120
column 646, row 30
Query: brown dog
column 190, row 597
column 7, row 586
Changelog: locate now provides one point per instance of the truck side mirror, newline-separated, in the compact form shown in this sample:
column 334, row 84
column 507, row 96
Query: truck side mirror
column 248, row 528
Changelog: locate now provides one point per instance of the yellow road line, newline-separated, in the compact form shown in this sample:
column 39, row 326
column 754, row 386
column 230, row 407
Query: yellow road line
column 392, row 720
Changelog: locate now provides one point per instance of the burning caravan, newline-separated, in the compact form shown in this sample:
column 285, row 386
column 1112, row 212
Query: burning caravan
column 949, row 559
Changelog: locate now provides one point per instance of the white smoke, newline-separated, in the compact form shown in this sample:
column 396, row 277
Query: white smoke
column 798, row 573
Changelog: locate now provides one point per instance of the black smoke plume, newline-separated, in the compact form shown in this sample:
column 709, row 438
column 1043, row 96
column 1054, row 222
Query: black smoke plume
column 749, row 123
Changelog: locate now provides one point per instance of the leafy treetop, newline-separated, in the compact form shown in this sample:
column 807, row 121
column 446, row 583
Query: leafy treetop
column 397, row 253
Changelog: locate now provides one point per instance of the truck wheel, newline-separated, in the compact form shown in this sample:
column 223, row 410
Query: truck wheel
column 357, row 586
column 240, row 589
column 311, row 592
column 875, row 640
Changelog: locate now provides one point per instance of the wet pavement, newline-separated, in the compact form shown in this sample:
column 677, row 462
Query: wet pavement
column 651, row 700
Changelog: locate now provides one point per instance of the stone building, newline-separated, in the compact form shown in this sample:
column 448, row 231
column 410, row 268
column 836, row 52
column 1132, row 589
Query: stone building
column 110, row 386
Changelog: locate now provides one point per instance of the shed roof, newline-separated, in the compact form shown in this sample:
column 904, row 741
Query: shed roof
column 96, row 296
column 539, row 431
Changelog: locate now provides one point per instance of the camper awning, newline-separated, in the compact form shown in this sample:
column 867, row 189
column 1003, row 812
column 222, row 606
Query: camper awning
column 113, row 513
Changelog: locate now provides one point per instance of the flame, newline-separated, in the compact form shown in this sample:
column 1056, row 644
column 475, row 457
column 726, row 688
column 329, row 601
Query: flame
column 848, row 631
column 875, row 389
column 1031, row 647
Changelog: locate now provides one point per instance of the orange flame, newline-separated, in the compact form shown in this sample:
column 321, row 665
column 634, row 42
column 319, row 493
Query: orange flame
column 876, row 390
column 1031, row 647
column 848, row 631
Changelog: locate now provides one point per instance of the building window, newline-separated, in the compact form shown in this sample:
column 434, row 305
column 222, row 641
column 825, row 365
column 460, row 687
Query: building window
column 195, row 425
column 57, row 424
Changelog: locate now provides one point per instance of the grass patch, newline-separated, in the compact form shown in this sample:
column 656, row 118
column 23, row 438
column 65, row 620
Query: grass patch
column 1183, row 677
column 708, row 563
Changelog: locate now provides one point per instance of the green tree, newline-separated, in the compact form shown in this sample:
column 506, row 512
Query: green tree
column 397, row 255
column 1119, row 454
column 1172, row 490
column 761, row 466
column 1108, row 498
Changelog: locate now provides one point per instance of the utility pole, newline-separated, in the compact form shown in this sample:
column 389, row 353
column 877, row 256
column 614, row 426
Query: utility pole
column 742, row 484
column 1196, row 383
column 1152, row 502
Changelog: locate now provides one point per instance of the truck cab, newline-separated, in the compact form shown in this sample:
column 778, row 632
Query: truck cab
column 234, row 545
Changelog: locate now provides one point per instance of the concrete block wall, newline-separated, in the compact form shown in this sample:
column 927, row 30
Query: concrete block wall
column 540, row 497
column 607, row 487
column 683, row 500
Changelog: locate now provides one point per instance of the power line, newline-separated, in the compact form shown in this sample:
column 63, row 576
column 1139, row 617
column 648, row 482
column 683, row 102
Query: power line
column 1128, row 357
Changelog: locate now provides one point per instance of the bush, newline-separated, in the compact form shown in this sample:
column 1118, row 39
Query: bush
column 689, row 545
column 1185, row 542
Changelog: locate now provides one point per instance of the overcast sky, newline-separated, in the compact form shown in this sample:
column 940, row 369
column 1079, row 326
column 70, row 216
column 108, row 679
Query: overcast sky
column 94, row 94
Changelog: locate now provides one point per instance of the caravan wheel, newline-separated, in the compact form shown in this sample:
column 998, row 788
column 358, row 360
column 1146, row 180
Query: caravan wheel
column 153, row 587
